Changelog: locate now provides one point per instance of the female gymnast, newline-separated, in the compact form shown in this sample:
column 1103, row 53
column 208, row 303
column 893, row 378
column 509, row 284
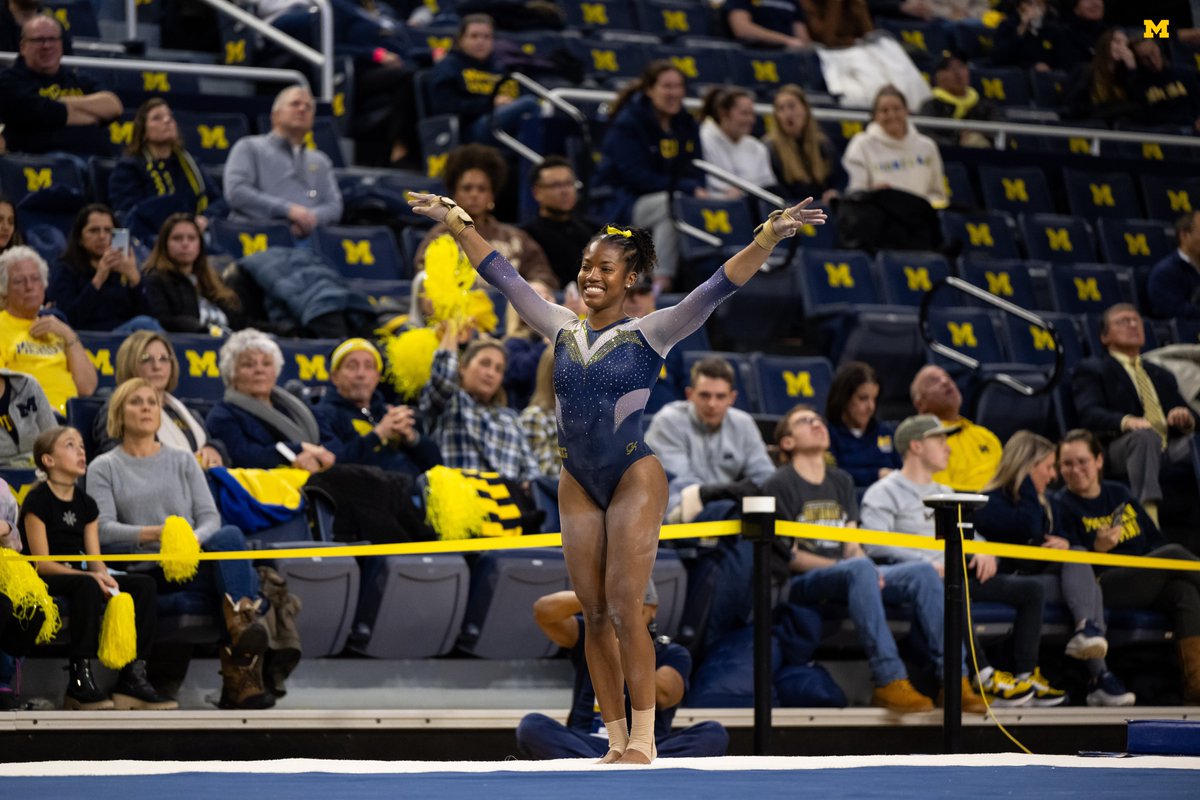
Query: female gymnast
column 612, row 492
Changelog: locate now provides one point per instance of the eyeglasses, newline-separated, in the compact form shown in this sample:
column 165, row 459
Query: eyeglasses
column 1128, row 322
column 149, row 359
column 811, row 421
column 38, row 41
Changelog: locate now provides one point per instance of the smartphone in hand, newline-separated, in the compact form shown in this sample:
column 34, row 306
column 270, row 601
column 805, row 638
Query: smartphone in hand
column 120, row 240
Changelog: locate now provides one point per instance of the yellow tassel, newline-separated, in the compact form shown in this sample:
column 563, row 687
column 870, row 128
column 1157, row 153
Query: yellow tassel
column 410, row 360
column 453, row 507
column 21, row 584
column 179, row 550
column 118, row 632
column 449, row 277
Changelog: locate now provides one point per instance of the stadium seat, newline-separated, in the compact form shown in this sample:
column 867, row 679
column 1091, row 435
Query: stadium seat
column 834, row 281
column 672, row 19
column 983, row 233
column 728, row 220
column 1084, row 289
column 414, row 604
column 23, row 175
column 1057, row 239
column 1134, row 242
column 959, row 192
column 362, row 252
column 764, row 71
column 759, row 316
column 1185, row 331
column 601, row 15
column 209, row 136
column 1049, row 88
column 102, row 350
column 1016, row 190
column 328, row 590
column 504, row 585
column 1169, row 197
column 784, row 381
column 971, row 331
column 607, row 61
column 1006, row 86
column 1030, row 344
column 240, row 239
column 977, row 41
column 907, row 275
column 306, row 360
column 81, row 414
column 77, row 16
column 1004, row 411
column 704, row 67
column 926, row 39
column 743, row 371
column 1101, row 194
column 98, row 172
column 163, row 83
column 1007, row 279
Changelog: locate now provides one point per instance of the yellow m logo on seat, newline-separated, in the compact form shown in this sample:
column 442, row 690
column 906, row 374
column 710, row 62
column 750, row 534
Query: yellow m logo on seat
column 358, row 252
column 1087, row 289
column 686, row 65
column 202, row 365
column 102, row 361
column 716, row 220
column 1136, row 244
column 918, row 279
column 1059, row 239
column 37, row 178
column 120, row 132
column 605, row 60
column 675, row 20
column 1179, row 199
column 252, row 243
column 914, row 38
column 839, row 275
column 155, row 82
column 235, row 52
column 1015, row 190
column 980, row 234
column 594, row 13
column 1042, row 338
column 435, row 164
column 798, row 384
column 311, row 367
column 1102, row 194
column 999, row 283
column 993, row 88
column 765, row 71
column 1152, row 151
column 212, row 137
column 962, row 334
column 850, row 128
column 1080, row 145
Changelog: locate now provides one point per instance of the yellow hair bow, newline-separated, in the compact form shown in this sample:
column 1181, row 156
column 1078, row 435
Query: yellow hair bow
column 611, row 231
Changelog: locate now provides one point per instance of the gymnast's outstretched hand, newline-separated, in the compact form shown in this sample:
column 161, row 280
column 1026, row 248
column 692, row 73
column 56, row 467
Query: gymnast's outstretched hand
column 430, row 205
column 796, row 217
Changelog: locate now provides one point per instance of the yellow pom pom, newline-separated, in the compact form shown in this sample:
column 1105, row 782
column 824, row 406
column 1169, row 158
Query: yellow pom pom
column 410, row 360
column 453, row 507
column 481, row 311
column 179, row 550
column 21, row 584
column 118, row 632
column 449, row 277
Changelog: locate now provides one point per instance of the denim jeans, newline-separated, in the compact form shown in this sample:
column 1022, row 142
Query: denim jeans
column 237, row 578
column 139, row 323
column 507, row 118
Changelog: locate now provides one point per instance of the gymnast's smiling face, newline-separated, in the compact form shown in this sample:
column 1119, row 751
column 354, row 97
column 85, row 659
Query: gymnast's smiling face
column 604, row 275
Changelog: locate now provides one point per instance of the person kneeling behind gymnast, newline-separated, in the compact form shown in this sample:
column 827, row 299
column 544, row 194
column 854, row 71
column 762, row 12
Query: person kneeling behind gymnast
column 560, row 616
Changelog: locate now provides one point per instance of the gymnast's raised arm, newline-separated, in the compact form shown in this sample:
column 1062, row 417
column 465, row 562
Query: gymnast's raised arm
column 544, row 317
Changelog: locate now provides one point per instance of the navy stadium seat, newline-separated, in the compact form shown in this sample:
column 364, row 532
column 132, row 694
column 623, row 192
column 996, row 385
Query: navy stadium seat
column 986, row 233
column 210, row 136
column 1134, row 242
column 834, row 281
column 607, row 61
column 601, row 15
column 672, row 19
column 1006, row 86
column 784, row 381
column 1101, row 194
column 1007, row 279
column 1031, row 344
column 362, row 252
column 240, row 239
column 1017, row 190
column 971, row 331
column 1169, row 197
column 1049, row 88
column 927, row 39
column 1084, row 289
column 24, row 175
column 707, row 66
column 1058, row 239
column 959, row 192
column 907, row 275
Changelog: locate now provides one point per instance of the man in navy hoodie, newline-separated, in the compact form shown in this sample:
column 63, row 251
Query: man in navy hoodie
column 359, row 427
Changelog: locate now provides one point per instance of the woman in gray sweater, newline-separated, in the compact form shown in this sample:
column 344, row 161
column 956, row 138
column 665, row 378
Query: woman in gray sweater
column 137, row 486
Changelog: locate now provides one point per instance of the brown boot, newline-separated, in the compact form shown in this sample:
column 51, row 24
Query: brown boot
column 283, row 650
column 247, row 633
column 901, row 697
column 242, row 684
column 972, row 703
column 1189, row 666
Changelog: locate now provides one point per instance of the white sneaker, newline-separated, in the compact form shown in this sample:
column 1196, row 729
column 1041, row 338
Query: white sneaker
column 1109, row 691
column 1087, row 643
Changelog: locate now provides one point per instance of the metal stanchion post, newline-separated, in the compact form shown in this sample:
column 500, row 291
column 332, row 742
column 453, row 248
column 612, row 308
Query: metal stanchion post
column 946, row 509
column 758, row 526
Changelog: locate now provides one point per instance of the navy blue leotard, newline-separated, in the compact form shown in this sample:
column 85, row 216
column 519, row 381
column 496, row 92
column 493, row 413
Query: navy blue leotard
column 602, row 379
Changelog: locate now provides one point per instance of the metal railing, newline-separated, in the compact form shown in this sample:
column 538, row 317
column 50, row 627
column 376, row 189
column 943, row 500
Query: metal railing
column 268, row 74
column 959, row 357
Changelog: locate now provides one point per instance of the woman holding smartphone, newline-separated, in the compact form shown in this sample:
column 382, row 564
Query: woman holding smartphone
column 96, row 283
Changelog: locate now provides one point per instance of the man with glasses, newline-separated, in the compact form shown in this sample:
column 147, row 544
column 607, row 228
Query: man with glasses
column 558, row 228
column 14, row 14
column 59, row 109
column 1135, row 406
column 806, row 489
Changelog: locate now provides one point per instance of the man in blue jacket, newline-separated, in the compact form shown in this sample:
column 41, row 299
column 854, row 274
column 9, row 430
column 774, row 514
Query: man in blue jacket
column 357, row 425
column 1175, row 281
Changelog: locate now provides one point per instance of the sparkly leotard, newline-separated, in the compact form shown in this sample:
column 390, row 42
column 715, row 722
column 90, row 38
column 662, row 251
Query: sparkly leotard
column 602, row 379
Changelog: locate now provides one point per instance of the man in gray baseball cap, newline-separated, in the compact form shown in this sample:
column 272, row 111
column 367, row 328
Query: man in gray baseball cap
column 921, row 426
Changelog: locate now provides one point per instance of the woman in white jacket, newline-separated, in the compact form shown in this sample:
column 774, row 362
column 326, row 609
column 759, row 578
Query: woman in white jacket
column 891, row 154
column 725, row 138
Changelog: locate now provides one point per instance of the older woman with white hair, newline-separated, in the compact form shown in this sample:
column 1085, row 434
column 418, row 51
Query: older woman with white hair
column 39, row 343
column 261, row 425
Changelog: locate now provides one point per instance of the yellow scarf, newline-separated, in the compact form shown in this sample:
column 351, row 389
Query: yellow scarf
column 962, row 105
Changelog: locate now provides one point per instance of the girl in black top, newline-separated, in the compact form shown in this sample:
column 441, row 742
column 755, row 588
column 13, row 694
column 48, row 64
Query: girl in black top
column 182, row 290
column 60, row 518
